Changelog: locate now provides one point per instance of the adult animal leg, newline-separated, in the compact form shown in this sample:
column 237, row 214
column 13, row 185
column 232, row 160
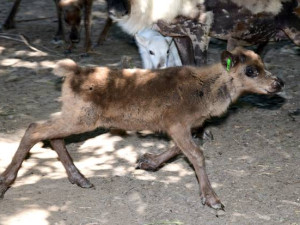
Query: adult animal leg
column 87, row 24
column 10, row 20
column 104, row 32
column 59, row 36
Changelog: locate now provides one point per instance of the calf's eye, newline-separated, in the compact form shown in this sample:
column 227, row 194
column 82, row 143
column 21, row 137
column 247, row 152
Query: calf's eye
column 251, row 71
column 151, row 53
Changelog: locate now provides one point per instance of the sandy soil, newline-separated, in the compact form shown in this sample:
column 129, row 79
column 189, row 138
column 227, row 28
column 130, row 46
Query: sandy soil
column 253, row 161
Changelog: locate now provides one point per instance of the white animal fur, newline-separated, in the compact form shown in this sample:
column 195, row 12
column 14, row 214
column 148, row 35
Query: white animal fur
column 146, row 12
column 258, row 6
column 163, row 49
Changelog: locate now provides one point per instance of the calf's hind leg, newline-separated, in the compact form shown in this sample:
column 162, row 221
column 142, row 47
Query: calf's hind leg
column 152, row 162
column 49, row 130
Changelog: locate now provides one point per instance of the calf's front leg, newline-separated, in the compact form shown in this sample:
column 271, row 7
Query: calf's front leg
column 74, row 175
column 183, row 139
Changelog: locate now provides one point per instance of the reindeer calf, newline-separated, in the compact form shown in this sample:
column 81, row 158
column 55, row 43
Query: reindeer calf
column 72, row 15
column 71, row 11
column 172, row 100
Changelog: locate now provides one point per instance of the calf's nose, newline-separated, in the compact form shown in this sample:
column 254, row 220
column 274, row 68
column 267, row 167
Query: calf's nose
column 278, row 84
column 112, row 12
column 162, row 64
column 74, row 36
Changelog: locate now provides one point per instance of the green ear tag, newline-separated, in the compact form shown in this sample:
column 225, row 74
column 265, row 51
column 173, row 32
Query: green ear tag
column 228, row 64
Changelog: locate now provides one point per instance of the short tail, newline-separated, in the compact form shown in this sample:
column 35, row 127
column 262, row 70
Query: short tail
column 65, row 67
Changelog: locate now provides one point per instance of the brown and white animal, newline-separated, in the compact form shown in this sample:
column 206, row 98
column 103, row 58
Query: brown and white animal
column 172, row 100
column 71, row 11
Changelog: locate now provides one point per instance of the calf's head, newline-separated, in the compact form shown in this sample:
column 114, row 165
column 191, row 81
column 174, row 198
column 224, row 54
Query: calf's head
column 249, row 73
column 157, row 48
column 72, row 15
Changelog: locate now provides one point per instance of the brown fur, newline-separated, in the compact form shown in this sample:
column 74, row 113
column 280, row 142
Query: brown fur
column 172, row 100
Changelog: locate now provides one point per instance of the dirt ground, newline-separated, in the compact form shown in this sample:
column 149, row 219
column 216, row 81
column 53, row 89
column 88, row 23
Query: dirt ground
column 253, row 160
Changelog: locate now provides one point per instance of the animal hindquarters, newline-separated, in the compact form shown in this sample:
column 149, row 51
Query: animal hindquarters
column 57, row 128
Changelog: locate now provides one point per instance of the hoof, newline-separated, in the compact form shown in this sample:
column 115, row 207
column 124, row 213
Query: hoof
column 86, row 184
column 9, row 25
column 57, row 41
column 95, row 46
column 212, row 202
column 202, row 134
column 207, row 135
column 84, row 55
column 218, row 206
column 146, row 162
column 100, row 41
column 3, row 188
column 81, row 182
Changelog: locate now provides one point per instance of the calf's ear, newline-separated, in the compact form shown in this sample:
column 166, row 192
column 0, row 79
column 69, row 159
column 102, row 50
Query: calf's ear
column 229, row 60
column 141, row 40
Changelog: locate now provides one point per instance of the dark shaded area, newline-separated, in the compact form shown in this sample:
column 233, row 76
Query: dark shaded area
column 262, row 101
